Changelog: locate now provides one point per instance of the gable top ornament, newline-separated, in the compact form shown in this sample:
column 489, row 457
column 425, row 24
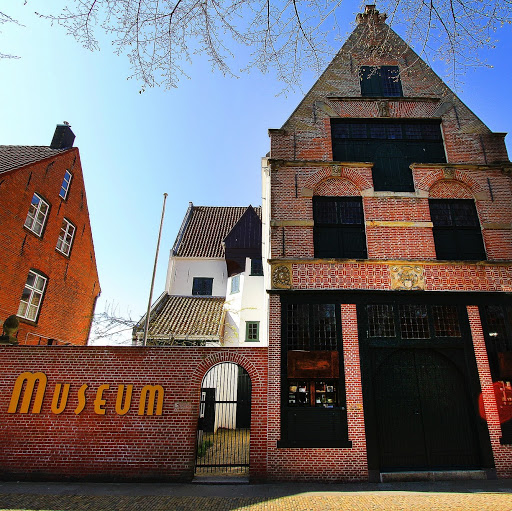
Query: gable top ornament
column 371, row 16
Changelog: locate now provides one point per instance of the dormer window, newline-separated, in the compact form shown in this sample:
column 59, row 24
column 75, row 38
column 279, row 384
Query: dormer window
column 379, row 82
column 202, row 286
column 64, row 189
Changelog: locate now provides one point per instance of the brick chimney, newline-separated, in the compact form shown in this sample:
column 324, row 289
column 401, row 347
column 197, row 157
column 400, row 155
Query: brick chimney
column 63, row 137
column 371, row 16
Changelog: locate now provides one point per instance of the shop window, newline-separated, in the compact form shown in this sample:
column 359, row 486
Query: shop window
column 313, row 388
column 497, row 325
column 390, row 145
column 32, row 296
column 383, row 81
column 339, row 229
column 457, row 232
column 202, row 286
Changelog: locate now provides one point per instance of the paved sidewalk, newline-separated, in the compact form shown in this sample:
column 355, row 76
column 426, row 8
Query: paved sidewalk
column 459, row 495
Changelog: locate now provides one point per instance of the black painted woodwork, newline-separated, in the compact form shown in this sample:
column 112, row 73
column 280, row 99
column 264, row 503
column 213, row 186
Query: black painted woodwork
column 457, row 232
column 383, row 81
column 391, row 145
column 339, row 230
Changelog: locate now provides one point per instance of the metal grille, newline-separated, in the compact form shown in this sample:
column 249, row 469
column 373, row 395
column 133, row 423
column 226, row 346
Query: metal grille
column 381, row 321
column 446, row 321
column 414, row 322
column 223, row 434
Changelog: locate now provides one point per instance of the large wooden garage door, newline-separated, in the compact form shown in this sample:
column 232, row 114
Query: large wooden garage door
column 423, row 412
column 420, row 401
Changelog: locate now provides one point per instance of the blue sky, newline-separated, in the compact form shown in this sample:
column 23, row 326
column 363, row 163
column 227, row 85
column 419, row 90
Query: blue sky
column 201, row 142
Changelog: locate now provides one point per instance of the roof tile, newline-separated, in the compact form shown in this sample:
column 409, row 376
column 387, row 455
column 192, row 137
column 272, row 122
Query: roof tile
column 16, row 156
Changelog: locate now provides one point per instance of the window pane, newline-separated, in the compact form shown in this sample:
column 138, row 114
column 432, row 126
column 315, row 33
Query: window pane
column 414, row 321
column 496, row 323
column 298, row 326
column 324, row 324
column 381, row 321
column 440, row 213
column 464, row 214
column 446, row 321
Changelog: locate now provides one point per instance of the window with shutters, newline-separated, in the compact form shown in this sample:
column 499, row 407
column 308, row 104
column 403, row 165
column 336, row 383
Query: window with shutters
column 339, row 229
column 383, row 81
column 390, row 145
column 457, row 232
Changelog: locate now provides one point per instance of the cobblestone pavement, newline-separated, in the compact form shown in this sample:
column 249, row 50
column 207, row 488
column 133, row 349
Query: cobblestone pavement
column 275, row 497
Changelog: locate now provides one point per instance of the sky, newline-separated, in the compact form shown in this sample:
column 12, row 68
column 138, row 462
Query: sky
column 201, row 142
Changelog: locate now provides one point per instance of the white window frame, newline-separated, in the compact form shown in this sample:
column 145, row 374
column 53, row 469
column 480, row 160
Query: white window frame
column 66, row 182
column 34, row 291
column 66, row 237
column 37, row 215
column 235, row 284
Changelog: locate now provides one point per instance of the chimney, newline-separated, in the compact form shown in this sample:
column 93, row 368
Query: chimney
column 63, row 137
column 371, row 16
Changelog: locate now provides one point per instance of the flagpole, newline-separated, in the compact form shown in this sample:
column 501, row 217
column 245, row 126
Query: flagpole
column 146, row 325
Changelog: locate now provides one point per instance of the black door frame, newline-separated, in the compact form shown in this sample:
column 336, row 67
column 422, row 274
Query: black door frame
column 465, row 344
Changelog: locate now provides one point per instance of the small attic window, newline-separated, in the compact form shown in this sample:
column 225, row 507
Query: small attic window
column 383, row 81
column 65, row 185
column 202, row 286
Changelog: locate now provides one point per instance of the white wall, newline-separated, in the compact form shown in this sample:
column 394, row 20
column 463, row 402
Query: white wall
column 246, row 305
column 182, row 270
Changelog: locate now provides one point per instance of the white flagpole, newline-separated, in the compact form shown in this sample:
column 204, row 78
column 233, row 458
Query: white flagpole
column 146, row 325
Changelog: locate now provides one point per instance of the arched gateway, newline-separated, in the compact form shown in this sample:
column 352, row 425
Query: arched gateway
column 223, row 432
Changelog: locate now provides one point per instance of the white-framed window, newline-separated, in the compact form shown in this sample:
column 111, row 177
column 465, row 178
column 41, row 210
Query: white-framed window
column 66, row 235
column 37, row 214
column 235, row 284
column 65, row 185
column 32, row 296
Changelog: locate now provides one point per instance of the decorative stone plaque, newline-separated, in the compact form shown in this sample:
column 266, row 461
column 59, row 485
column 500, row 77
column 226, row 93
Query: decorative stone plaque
column 407, row 277
column 282, row 276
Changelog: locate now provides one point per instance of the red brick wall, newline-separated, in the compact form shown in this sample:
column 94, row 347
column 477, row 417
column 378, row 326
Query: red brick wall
column 73, row 285
column 502, row 453
column 308, row 464
column 111, row 446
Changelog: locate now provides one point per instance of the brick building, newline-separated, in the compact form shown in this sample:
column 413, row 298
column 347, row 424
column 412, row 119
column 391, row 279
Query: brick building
column 388, row 210
column 48, row 274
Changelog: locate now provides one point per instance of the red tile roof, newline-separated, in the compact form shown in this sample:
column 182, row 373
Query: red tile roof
column 16, row 156
column 206, row 229
column 181, row 317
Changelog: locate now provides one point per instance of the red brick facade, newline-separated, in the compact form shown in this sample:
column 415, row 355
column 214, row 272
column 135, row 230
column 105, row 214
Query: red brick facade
column 98, row 443
column 72, row 288
column 398, row 234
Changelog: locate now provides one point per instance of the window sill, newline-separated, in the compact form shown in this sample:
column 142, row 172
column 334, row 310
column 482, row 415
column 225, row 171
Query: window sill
column 286, row 444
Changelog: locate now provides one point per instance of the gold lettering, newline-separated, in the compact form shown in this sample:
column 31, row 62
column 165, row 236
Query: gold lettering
column 151, row 392
column 81, row 398
column 31, row 379
column 56, row 407
column 120, row 408
column 99, row 402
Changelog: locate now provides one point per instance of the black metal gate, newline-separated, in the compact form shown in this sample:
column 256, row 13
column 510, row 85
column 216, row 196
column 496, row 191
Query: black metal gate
column 223, row 433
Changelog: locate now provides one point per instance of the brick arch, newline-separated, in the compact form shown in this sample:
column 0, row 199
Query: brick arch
column 336, row 187
column 429, row 179
column 218, row 358
column 450, row 189
column 358, row 180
